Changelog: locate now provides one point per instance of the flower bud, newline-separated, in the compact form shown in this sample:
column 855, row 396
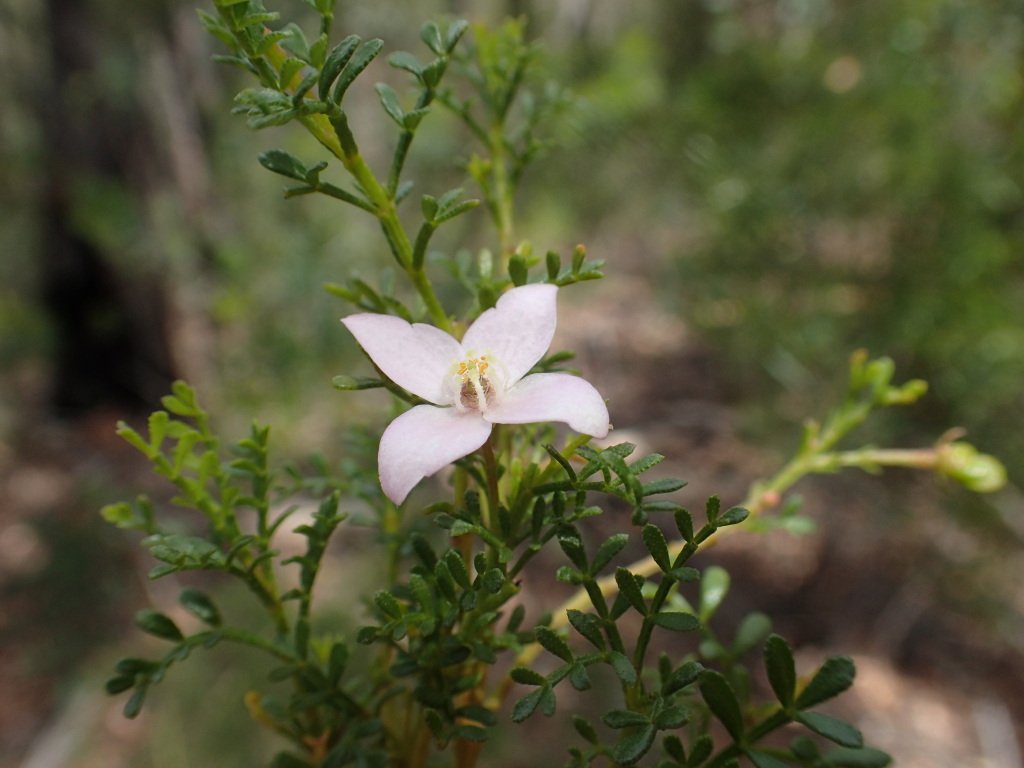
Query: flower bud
column 974, row 470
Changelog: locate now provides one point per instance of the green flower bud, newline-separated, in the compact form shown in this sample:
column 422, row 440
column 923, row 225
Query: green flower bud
column 974, row 470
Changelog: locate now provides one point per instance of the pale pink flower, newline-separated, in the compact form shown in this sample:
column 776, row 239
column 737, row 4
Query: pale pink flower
column 473, row 384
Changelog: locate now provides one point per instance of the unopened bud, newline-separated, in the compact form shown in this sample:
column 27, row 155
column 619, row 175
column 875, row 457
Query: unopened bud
column 974, row 470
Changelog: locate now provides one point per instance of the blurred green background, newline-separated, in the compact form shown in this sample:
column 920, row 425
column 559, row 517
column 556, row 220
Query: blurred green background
column 774, row 183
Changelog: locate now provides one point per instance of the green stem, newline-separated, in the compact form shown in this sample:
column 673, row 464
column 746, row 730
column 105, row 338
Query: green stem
column 491, row 471
column 244, row 637
column 387, row 214
column 501, row 193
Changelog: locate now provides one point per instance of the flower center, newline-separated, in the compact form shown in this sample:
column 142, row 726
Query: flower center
column 476, row 382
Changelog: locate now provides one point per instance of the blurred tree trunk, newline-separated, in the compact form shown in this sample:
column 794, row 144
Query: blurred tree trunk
column 109, row 314
column 683, row 29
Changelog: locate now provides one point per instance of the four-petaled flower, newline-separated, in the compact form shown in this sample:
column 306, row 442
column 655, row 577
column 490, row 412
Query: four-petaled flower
column 474, row 384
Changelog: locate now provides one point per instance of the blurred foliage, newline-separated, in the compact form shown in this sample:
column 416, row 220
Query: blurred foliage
column 835, row 175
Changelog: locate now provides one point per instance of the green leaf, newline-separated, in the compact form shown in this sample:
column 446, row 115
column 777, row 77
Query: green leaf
column 132, row 666
column 554, row 264
column 579, row 255
column 562, row 461
column 215, row 28
column 493, row 580
column 518, row 270
column 844, row 757
column 701, row 749
column 428, row 206
column 356, row 64
column 733, row 516
column 573, row 549
column 159, row 625
column 516, row 619
column 547, row 701
column 526, row 706
column 457, row 567
column 623, row 667
column 666, row 485
column 834, row 677
column 448, row 198
column 400, row 194
column 609, row 549
column 629, row 588
column 388, row 605
column 124, row 516
column 294, row 41
column 199, row 605
column 389, row 100
column 714, row 586
column 318, row 52
column 335, row 62
column 134, row 705
column 640, row 466
column 406, row 61
column 805, row 748
column 433, row 72
column 133, row 437
column 764, row 760
column 367, row 635
column 455, row 31
column 624, row 718
column 656, row 544
column 337, row 662
column 677, row 621
column 752, row 631
column 578, row 677
column 585, row 729
column 781, row 668
column 454, row 656
column 570, row 575
column 673, row 745
column 712, row 508
column 588, row 625
column 842, row 733
column 526, row 676
column 456, row 210
column 430, row 34
column 685, row 574
column 553, row 643
column 684, row 523
column 634, row 746
column 721, row 700
column 686, row 675
column 158, row 423
column 672, row 718
column 119, row 684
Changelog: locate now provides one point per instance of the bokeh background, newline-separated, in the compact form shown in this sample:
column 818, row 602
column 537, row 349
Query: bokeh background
column 773, row 183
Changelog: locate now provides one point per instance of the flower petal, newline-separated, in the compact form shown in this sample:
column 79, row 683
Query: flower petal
column 421, row 441
column 416, row 357
column 553, row 397
column 518, row 330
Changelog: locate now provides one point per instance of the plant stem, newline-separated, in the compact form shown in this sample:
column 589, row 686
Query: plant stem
column 491, row 470
column 502, row 192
